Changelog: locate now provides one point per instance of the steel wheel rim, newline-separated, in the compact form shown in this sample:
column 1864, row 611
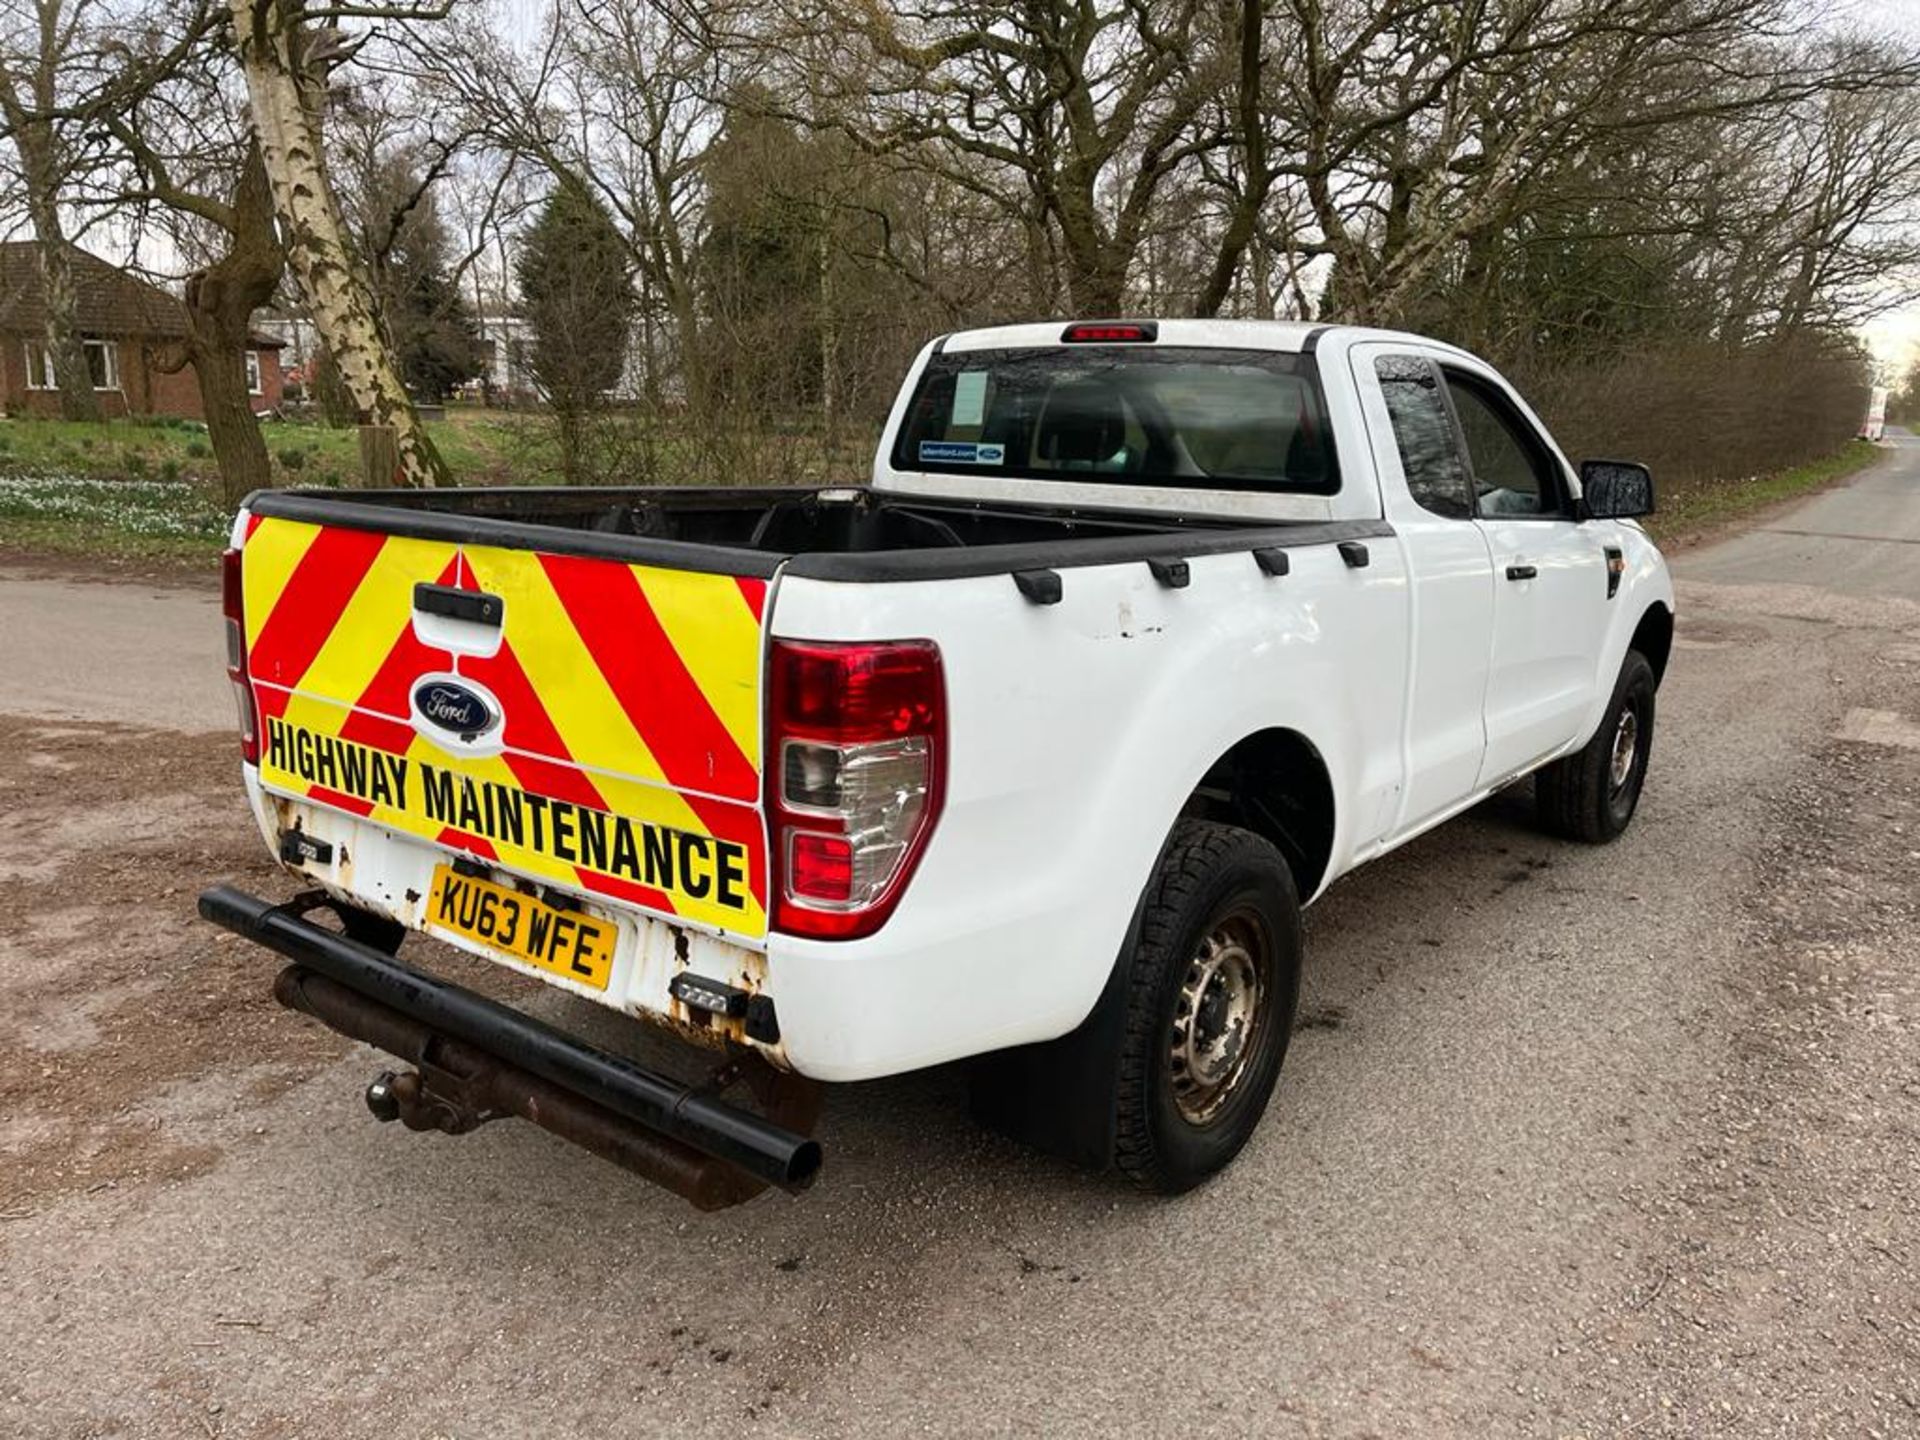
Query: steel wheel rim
column 1218, row 1017
column 1626, row 749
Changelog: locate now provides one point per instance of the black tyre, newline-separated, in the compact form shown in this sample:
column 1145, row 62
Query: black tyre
column 1210, row 993
column 1591, row 794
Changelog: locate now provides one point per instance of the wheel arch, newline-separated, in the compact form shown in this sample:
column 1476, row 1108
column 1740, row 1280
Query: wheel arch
column 1276, row 783
column 1653, row 638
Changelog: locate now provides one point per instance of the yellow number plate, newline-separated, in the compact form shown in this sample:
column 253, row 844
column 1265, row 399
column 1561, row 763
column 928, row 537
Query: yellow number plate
column 562, row 942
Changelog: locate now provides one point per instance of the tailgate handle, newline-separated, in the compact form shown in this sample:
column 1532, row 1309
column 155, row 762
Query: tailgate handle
column 474, row 605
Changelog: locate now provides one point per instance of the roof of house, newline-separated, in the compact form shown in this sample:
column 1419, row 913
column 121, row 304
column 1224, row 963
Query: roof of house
column 111, row 301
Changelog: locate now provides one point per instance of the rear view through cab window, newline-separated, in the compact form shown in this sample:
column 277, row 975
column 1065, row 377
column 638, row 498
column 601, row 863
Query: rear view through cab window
column 1184, row 417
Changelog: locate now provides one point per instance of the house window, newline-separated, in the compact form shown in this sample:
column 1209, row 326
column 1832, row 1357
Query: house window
column 253, row 372
column 103, row 365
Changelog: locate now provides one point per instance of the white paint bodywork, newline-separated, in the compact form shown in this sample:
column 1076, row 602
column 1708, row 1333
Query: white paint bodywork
column 1077, row 731
column 1080, row 729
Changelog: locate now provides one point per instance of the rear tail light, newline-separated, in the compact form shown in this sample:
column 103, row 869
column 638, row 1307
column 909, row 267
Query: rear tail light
column 234, row 610
column 857, row 750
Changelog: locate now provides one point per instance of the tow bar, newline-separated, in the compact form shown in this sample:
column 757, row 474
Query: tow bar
column 477, row 1060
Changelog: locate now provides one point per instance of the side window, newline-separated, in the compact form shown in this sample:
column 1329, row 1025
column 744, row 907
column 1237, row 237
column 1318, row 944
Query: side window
column 1423, row 433
column 1512, row 472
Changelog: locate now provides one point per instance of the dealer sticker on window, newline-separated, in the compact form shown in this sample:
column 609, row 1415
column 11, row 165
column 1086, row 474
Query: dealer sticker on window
column 969, row 398
column 960, row 452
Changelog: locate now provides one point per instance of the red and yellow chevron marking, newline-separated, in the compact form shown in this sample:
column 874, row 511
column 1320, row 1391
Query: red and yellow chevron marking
column 631, row 697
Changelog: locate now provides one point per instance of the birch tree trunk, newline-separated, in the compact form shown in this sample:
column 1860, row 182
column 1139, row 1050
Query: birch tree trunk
column 283, row 92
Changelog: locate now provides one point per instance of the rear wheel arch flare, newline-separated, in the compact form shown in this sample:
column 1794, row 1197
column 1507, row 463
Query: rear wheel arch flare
column 1274, row 783
column 1653, row 638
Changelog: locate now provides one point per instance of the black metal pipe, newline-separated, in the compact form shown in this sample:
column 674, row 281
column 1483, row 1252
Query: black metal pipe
column 761, row 1148
column 706, row 1181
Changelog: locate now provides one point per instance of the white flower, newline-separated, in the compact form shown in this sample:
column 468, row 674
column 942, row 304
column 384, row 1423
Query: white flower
column 163, row 508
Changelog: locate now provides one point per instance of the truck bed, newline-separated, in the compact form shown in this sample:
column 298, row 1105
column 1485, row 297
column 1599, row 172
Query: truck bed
column 849, row 533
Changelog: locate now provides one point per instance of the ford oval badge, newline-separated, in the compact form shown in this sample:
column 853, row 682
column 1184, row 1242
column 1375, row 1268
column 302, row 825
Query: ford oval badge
column 454, row 707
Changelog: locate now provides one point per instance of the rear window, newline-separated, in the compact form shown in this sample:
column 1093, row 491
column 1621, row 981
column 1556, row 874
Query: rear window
column 1197, row 419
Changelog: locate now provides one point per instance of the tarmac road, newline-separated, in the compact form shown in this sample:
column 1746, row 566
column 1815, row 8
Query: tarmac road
column 1862, row 540
column 136, row 653
column 1570, row 1142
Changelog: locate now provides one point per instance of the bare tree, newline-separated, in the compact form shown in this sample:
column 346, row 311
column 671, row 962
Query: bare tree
column 622, row 101
column 1841, row 204
column 1419, row 128
column 287, row 49
column 1070, row 120
column 44, row 37
column 211, row 194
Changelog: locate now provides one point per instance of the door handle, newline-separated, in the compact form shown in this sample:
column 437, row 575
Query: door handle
column 473, row 605
column 1521, row 572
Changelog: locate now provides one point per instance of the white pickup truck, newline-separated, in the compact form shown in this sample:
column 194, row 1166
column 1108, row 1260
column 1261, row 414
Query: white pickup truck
column 1028, row 753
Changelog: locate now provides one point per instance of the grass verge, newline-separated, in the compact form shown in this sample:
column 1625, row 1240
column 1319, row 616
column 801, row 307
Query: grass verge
column 479, row 446
column 141, row 494
column 161, row 523
column 1690, row 513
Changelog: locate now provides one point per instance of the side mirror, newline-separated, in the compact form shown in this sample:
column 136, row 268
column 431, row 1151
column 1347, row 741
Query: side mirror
column 1615, row 489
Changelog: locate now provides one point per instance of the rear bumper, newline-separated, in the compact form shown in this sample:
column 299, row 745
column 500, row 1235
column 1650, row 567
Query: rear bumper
column 503, row 1060
column 391, row 874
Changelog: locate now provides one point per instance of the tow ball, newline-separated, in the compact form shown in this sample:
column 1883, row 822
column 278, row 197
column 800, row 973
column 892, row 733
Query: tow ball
column 432, row 1101
column 382, row 1100
column 409, row 1099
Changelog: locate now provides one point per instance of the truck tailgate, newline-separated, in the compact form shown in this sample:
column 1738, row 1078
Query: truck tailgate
column 614, row 747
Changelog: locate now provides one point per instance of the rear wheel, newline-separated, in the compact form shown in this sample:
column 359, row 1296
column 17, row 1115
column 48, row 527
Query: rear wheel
column 1211, row 989
column 1591, row 794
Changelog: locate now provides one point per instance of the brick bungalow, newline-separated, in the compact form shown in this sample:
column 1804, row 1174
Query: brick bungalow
column 126, row 324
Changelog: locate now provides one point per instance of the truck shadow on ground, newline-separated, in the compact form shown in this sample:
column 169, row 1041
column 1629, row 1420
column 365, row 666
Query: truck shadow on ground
column 1411, row 910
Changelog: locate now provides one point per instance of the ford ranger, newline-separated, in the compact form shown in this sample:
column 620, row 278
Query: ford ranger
column 1028, row 753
